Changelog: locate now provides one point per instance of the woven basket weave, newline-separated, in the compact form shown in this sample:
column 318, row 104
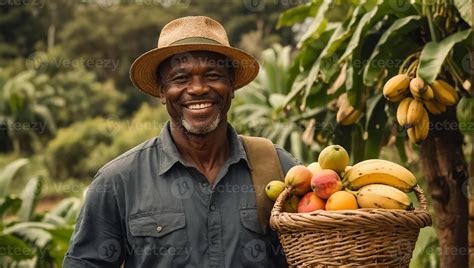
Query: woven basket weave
column 349, row 238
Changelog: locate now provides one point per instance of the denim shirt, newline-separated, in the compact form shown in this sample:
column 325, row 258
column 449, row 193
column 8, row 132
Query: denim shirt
column 149, row 208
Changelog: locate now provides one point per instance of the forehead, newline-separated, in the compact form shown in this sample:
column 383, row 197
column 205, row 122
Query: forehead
column 211, row 60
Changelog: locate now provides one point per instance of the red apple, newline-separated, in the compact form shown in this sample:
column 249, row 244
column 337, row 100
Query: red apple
column 299, row 177
column 325, row 183
column 310, row 202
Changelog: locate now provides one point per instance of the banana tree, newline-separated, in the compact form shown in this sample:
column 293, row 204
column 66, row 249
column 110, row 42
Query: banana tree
column 27, row 238
column 23, row 111
column 347, row 60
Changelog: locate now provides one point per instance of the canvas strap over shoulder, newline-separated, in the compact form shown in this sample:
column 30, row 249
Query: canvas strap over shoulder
column 265, row 167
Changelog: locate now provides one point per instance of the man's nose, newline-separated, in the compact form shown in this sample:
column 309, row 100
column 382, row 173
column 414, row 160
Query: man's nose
column 198, row 85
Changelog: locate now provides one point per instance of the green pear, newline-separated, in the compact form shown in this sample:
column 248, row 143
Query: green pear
column 274, row 189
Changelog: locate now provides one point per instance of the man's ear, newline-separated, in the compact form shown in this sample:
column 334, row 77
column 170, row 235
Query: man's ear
column 162, row 96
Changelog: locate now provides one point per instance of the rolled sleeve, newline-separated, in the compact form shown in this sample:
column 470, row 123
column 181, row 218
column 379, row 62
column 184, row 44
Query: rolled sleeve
column 98, row 239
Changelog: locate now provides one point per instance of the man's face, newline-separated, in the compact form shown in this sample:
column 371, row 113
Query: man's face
column 197, row 89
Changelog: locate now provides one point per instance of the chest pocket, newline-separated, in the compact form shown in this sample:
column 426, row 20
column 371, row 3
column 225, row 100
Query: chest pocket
column 161, row 237
column 255, row 244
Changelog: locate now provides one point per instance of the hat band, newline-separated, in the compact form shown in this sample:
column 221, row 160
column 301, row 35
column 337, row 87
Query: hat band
column 195, row 40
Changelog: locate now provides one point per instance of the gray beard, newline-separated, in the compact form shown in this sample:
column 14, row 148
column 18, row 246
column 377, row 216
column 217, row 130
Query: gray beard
column 203, row 130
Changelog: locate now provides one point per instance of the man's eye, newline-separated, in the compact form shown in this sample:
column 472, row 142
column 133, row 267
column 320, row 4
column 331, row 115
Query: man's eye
column 180, row 78
column 214, row 76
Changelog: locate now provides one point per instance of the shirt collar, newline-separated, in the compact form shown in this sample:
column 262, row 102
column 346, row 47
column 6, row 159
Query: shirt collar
column 169, row 154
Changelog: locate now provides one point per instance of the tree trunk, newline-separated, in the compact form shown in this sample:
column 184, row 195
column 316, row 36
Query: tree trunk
column 445, row 170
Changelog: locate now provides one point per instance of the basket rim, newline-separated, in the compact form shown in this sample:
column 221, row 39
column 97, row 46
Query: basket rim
column 418, row 216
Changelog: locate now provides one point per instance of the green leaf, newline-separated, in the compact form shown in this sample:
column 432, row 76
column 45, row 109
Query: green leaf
column 7, row 174
column 358, row 145
column 15, row 248
column 376, row 127
column 371, row 104
column 464, row 8
column 44, row 113
column 318, row 24
column 32, row 232
column 396, row 30
column 400, row 144
column 356, row 36
column 296, row 88
column 29, row 195
column 9, row 204
column 60, row 243
column 296, row 145
column 277, row 100
column 340, row 35
column 434, row 54
column 296, row 14
column 283, row 137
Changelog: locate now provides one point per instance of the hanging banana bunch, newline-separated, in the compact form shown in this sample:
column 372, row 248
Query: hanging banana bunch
column 417, row 99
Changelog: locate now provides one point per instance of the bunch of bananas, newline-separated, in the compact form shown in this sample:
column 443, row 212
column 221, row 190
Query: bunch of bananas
column 416, row 97
column 380, row 183
column 346, row 113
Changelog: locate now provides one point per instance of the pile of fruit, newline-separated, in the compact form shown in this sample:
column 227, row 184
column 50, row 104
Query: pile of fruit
column 330, row 184
column 416, row 97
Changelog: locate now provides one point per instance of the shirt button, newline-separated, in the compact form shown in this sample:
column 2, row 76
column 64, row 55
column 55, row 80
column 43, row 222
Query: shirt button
column 215, row 242
column 159, row 228
column 213, row 208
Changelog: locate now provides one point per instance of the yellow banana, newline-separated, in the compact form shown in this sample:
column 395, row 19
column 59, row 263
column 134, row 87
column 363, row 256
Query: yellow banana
column 402, row 111
column 346, row 114
column 444, row 92
column 417, row 86
column 420, row 90
column 411, row 135
column 383, row 196
column 429, row 94
column 418, row 133
column 415, row 109
column 379, row 171
column 422, row 128
column 435, row 107
column 396, row 87
column 351, row 118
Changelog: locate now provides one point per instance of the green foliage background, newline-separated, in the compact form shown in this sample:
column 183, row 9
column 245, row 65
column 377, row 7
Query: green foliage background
column 67, row 105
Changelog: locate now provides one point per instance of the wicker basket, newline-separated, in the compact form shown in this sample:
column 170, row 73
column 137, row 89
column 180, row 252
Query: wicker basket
column 357, row 238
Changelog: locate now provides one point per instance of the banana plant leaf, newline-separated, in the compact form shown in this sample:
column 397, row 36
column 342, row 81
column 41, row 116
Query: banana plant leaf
column 434, row 53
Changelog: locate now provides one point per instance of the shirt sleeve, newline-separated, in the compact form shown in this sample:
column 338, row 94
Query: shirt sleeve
column 98, row 238
column 287, row 160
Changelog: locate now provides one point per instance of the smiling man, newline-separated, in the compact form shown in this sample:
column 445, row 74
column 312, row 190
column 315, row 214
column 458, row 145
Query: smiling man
column 187, row 198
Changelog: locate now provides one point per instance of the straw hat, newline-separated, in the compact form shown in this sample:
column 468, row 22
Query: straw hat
column 194, row 33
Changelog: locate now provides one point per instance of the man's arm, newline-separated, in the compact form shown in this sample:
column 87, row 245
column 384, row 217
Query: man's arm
column 98, row 239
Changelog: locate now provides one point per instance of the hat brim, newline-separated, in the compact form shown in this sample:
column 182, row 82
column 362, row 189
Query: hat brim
column 143, row 69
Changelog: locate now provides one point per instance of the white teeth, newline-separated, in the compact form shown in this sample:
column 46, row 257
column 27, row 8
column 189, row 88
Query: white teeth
column 199, row 106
